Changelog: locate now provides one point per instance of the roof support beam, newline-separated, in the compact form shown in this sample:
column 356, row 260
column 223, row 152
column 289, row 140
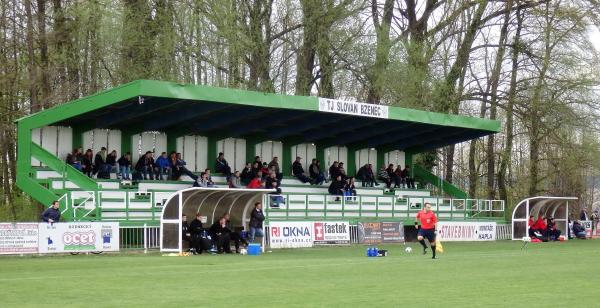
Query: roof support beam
column 195, row 109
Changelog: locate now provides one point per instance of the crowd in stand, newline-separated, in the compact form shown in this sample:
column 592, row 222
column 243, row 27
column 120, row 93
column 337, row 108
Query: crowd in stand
column 255, row 175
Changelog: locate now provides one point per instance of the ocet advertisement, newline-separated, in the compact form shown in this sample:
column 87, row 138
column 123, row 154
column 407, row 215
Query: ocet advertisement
column 290, row 234
column 331, row 232
column 466, row 231
column 78, row 237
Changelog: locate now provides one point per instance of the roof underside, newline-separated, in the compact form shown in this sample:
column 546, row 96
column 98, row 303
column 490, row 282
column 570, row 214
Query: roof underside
column 199, row 110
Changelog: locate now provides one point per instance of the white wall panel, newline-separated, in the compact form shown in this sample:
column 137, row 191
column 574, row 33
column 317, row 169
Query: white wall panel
column 189, row 152
column 240, row 155
column 147, row 142
column 160, row 143
column 36, row 137
column 65, row 141
column 88, row 140
column 179, row 144
column 49, row 139
column 201, row 152
column 395, row 157
column 100, row 139
column 277, row 150
column 114, row 141
column 343, row 156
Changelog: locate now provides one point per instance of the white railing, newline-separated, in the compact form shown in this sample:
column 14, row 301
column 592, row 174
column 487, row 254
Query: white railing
column 139, row 238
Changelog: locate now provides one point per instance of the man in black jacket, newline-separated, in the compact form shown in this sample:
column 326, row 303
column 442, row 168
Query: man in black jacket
column 298, row 171
column 198, row 235
column 336, row 187
column 185, row 231
column 256, row 221
column 221, row 235
column 236, row 237
column 52, row 214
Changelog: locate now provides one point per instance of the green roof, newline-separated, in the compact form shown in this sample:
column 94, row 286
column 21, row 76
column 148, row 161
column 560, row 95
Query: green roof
column 148, row 105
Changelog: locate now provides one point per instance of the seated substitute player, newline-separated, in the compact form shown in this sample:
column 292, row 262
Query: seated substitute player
column 428, row 223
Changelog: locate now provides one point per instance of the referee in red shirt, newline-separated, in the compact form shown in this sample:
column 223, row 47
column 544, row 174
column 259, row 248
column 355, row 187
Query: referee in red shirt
column 428, row 222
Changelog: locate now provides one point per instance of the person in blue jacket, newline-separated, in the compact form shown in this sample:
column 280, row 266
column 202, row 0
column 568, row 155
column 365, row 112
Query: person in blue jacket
column 164, row 166
column 52, row 214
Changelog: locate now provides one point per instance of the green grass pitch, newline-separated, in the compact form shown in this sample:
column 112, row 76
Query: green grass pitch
column 466, row 275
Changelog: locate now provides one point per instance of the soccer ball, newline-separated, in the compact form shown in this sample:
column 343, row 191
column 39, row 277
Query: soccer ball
column 526, row 239
column 243, row 251
column 408, row 249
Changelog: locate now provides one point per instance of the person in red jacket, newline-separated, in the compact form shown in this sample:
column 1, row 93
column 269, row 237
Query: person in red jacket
column 532, row 229
column 428, row 222
column 256, row 181
column 540, row 226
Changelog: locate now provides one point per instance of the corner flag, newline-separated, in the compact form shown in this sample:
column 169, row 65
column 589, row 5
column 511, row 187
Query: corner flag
column 438, row 246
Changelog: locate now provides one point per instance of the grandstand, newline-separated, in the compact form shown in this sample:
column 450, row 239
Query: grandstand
column 200, row 121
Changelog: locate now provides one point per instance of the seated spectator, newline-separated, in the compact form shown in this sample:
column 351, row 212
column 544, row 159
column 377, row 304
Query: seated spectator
column 540, row 227
column 334, row 170
column 247, row 174
column 315, row 172
column 164, row 166
column 185, row 232
column 256, row 182
column 200, row 239
column 236, row 237
column 264, row 170
column 210, row 181
column 204, row 181
column 178, row 168
column 125, row 166
column 273, row 183
column 102, row 168
column 336, row 187
column 407, row 178
column 111, row 160
column 235, row 181
column 298, row 171
column 342, row 171
column 220, row 235
column 393, row 177
column 579, row 230
column 365, row 174
column 87, row 163
column 274, row 166
column 74, row 159
column 350, row 189
column 258, row 160
column 384, row 177
column 551, row 230
column 222, row 166
column 532, row 231
column 256, row 167
column 145, row 166
column 52, row 214
column 398, row 175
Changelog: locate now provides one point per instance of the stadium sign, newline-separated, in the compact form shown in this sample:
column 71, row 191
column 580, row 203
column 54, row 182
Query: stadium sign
column 19, row 238
column 78, row 237
column 290, row 234
column 380, row 232
column 466, row 231
column 331, row 232
column 353, row 108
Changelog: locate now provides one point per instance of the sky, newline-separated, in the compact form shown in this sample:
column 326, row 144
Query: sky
column 594, row 35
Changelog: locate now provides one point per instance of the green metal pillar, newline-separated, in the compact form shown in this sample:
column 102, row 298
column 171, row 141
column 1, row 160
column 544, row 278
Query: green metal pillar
column 211, row 148
column 351, row 167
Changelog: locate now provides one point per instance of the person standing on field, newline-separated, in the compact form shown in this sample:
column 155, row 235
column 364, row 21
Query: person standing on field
column 427, row 231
